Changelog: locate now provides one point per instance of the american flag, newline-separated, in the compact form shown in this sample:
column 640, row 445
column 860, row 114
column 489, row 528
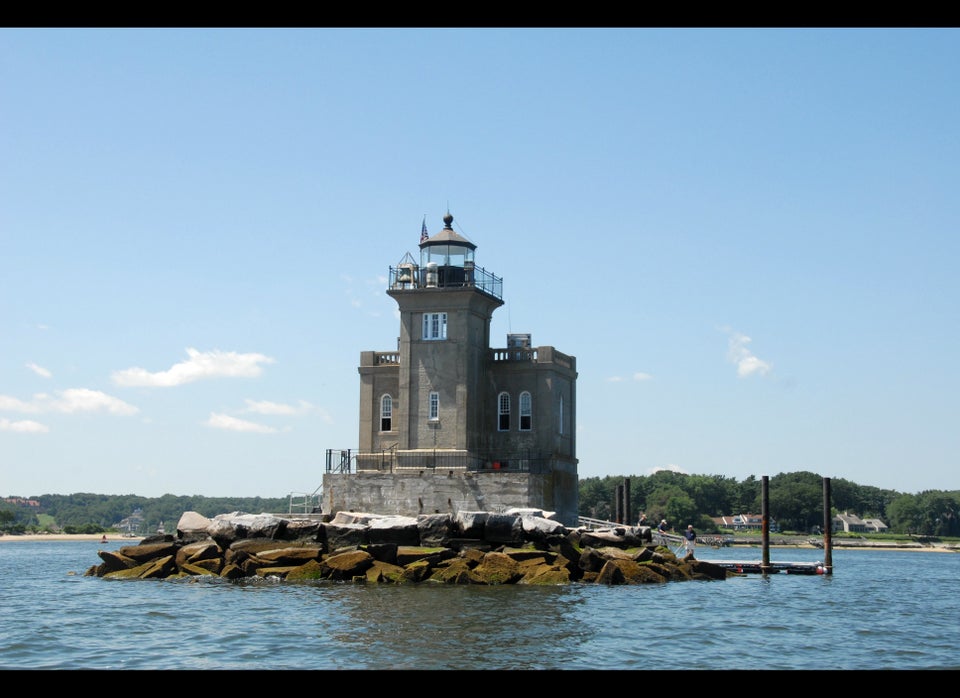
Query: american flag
column 424, row 235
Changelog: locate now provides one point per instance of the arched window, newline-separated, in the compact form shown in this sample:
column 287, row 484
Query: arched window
column 386, row 413
column 526, row 411
column 503, row 411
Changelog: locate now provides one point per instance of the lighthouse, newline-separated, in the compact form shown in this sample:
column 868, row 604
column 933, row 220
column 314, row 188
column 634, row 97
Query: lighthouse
column 447, row 422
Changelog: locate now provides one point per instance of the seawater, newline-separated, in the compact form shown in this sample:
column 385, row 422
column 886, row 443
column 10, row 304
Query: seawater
column 878, row 610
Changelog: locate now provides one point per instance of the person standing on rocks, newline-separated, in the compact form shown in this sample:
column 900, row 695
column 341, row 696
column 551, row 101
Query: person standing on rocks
column 690, row 539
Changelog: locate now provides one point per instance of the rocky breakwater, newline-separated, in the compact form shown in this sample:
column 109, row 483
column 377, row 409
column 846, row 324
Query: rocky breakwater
column 517, row 547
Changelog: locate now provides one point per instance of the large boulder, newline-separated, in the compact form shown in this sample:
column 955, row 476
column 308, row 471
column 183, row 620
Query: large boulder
column 505, row 529
column 437, row 529
column 402, row 530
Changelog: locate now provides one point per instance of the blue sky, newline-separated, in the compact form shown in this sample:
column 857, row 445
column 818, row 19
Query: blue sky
column 747, row 237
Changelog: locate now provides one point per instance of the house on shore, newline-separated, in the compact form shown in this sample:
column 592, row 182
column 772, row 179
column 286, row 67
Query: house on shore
column 745, row 522
column 851, row 523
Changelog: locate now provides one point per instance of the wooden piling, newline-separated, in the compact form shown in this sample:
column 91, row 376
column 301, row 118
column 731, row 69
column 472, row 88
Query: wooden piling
column 765, row 523
column 827, row 529
column 627, row 514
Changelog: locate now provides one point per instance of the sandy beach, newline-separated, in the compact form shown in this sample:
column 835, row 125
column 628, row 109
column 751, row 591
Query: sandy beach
column 34, row 537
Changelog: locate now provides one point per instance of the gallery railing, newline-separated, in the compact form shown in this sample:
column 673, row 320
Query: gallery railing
column 391, row 460
column 410, row 276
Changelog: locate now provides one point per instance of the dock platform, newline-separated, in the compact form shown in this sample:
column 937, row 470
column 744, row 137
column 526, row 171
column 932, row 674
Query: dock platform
column 756, row 567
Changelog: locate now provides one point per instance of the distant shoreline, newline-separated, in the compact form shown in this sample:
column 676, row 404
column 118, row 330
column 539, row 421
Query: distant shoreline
column 77, row 537
column 857, row 546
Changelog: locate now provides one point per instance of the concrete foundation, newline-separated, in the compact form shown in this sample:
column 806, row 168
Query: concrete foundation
column 415, row 492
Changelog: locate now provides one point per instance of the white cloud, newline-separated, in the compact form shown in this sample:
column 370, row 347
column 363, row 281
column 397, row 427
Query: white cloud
column 738, row 353
column 24, row 426
column 149, row 471
column 12, row 404
column 670, row 467
column 200, row 365
column 751, row 364
column 39, row 370
column 267, row 407
column 264, row 407
column 228, row 423
column 69, row 401
column 84, row 400
column 638, row 376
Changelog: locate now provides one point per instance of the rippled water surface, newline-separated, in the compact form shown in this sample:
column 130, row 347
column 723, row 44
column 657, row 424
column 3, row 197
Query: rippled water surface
column 879, row 610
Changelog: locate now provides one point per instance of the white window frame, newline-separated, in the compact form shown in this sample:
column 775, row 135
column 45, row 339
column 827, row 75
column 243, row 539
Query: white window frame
column 386, row 411
column 503, row 411
column 434, row 326
column 433, row 407
column 526, row 411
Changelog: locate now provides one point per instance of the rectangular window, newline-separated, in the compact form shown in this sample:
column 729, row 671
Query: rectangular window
column 434, row 326
column 434, row 410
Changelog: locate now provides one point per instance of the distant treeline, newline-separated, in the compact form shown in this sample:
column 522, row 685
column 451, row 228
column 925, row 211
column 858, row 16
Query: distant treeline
column 795, row 501
column 95, row 513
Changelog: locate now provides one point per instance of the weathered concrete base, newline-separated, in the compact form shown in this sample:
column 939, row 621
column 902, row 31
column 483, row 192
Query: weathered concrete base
column 429, row 491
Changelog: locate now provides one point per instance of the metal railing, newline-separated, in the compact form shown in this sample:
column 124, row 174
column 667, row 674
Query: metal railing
column 304, row 503
column 347, row 461
column 410, row 276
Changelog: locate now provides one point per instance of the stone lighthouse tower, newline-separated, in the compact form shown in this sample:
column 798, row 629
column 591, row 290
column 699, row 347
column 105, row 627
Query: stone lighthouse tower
column 448, row 423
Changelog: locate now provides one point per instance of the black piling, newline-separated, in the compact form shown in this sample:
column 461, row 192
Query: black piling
column 827, row 529
column 627, row 514
column 765, row 523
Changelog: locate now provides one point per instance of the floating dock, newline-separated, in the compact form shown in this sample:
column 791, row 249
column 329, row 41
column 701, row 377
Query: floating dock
column 757, row 567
